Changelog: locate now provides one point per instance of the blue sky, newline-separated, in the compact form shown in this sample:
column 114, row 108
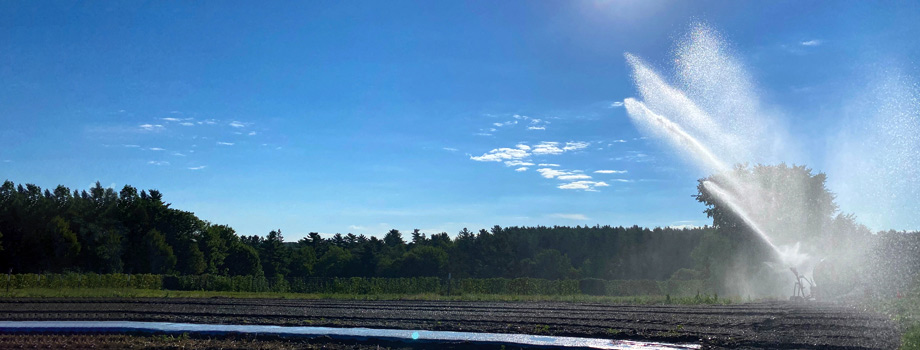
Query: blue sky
column 365, row 116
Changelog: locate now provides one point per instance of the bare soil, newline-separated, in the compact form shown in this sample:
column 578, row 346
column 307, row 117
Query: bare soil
column 765, row 325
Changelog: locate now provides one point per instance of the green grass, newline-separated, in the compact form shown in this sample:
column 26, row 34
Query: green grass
column 910, row 340
column 150, row 293
column 905, row 312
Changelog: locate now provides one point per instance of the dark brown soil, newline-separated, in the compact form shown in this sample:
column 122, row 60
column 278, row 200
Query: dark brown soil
column 769, row 325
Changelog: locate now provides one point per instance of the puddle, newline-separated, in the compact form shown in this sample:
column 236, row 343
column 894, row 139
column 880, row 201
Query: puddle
column 403, row 335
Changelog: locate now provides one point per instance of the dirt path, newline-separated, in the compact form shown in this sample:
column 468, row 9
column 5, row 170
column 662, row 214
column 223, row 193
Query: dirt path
column 754, row 325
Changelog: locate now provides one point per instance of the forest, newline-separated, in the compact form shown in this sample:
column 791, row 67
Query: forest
column 137, row 232
column 102, row 231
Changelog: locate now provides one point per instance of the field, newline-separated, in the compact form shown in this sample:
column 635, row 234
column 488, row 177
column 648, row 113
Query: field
column 749, row 325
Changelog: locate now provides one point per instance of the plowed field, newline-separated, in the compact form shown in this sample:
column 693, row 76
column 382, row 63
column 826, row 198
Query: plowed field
column 769, row 325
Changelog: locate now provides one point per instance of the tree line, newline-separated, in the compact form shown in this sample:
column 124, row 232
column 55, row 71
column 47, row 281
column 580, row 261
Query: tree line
column 103, row 231
column 131, row 231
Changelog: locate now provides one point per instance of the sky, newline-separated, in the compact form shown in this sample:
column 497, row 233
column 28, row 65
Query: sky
column 364, row 116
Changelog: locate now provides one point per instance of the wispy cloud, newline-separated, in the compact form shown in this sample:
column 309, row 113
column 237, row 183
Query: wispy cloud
column 550, row 173
column 237, row 124
column 813, row 42
column 574, row 146
column 616, row 104
column 500, row 154
column 548, row 164
column 251, row 133
column 156, row 149
column 617, row 141
column 170, row 119
column 635, row 156
column 546, row 147
column 576, row 217
column 573, row 177
column 523, row 168
column 536, row 128
column 225, row 143
column 151, row 127
column 178, row 154
column 132, row 146
column 198, row 167
column 517, row 163
column 583, row 185
column 449, row 149
column 186, row 124
column 610, row 171
column 158, row 162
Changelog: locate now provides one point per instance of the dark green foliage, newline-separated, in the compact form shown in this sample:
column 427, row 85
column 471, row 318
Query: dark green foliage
column 101, row 230
column 243, row 259
column 157, row 256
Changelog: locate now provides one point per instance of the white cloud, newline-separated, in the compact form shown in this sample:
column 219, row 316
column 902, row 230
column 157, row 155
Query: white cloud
column 517, row 116
column 225, row 143
column 517, row 163
column 535, row 121
column 187, row 124
column 158, row 162
column 523, row 168
column 574, row 146
column 178, row 154
column 451, row 149
column 813, row 42
column 237, row 124
column 156, row 149
column 171, row 119
column 510, row 122
column 622, row 180
column 252, row 133
column 610, row 171
column 583, row 185
column 548, row 164
column 500, row 154
column 618, row 141
column 547, row 148
column 574, row 177
column 616, row 104
column 551, row 173
column 198, row 167
column 132, row 146
column 577, row 217
column 482, row 134
column 151, row 127
column 536, row 128
column 522, row 146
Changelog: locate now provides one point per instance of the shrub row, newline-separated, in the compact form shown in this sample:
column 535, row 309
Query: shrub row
column 81, row 280
column 361, row 285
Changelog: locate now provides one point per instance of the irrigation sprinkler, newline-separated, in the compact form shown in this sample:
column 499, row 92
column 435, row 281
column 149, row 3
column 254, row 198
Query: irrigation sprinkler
column 798, row 291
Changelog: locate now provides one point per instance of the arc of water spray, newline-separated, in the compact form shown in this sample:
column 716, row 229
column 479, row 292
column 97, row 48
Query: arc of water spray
column 676, row 134
column 732, row 203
